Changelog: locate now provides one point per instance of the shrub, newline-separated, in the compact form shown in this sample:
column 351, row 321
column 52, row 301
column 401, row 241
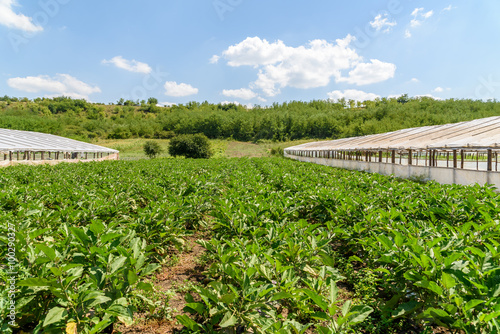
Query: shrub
column 190, row 146
column 152, row 149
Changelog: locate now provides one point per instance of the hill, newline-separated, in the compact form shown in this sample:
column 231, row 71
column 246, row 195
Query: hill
column 82, row 120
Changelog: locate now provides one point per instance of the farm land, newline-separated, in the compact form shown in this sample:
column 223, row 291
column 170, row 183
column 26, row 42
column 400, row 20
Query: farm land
column 261, row 245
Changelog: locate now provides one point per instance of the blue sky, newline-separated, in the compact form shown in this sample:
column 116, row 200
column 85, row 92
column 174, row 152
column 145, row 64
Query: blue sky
column 249, row 51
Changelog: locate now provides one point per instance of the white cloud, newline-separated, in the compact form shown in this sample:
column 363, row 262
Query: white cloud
column 129, row 65
column 61, row 84
column 243, row 93
column 214, row 59
column 172, row 88
column 352, row 94
column 415, row 80
column 369, row 73
column 419, row 16
column 12, row 20
column 429, row 95
column 407, row 33
column 230, row 102
column 254, row 51
column 382, row 21
column 447, row 9
column 308, row 66
column 438, row 90
column 166, row 104
column 248, row 105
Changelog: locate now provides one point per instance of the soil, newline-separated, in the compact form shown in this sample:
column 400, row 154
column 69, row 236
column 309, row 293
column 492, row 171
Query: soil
column 186, row 272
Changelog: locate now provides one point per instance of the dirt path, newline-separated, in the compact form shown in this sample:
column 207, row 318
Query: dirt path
column 177, row 279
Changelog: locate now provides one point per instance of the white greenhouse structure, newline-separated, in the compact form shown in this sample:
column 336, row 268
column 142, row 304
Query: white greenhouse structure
column 26, row 147
column 463, row 153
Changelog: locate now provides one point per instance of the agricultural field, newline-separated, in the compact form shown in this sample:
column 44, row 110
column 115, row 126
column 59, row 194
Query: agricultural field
column 275, row 246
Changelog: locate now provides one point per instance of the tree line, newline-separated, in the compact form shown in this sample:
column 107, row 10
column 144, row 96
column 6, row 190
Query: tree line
column 317, row 119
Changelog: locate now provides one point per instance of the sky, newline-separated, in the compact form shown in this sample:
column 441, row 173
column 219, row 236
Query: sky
column 252, row 52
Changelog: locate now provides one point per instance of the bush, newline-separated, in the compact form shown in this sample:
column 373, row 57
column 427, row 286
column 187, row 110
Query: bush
column 152, row 149
column 190, row 146
column 277, row 151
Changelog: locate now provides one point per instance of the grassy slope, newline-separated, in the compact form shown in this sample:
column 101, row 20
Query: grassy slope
column 132, row 148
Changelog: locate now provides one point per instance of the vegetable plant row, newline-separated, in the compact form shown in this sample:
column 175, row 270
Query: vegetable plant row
column 294, row 247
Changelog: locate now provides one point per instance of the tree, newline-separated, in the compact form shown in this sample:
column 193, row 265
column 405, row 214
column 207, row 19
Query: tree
column 190, row 146
column 153, row 101
column 152, row 149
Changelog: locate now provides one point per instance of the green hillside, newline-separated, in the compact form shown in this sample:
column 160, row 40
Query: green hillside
column 294, row 120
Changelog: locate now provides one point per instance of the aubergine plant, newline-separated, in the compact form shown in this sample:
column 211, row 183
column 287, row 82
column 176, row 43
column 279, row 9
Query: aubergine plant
column 290, row 247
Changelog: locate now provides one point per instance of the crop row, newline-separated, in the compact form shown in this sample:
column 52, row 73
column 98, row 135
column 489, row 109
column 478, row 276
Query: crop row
column 294, row 247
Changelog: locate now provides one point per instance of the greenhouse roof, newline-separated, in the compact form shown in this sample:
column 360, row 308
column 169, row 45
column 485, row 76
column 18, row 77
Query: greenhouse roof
column 477, row 134
column 19, row 141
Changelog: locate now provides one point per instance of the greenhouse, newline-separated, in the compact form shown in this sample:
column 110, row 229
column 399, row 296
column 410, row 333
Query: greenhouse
column 28, row 147
column 464, row 153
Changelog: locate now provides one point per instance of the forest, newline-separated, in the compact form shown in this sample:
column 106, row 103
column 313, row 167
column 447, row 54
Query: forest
column 318, row 119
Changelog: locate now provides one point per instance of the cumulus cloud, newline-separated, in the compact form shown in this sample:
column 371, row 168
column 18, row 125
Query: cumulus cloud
column 13, row 20
column 438, row 90
column 352, row 94
column 368, row 73
column 129, row 65
column 381, row 22
column 415, row 80
column 307, row 66
column 407, row 33
column 172, row 88
column 61, row 84
column 243, row 93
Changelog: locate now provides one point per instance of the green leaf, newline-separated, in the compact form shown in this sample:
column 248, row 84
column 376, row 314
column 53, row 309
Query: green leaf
column 150, row 268
column 472, row 303
column 117, row 264
column 333, row 292
column 99, row 300
column 80, row 235
column 51, row 254
column 405, row 309
column 281, row 295
column 319, row 300
column 145, row 286
column 491, row 316
column 430, row 285
column 228, row 298
column 476, row 251
column 195, row 308
column 346, row 307
column 105, row 322
column 448, row 281
column 55, row 315
column 122, row 312
column 56, row 271
column 321, row 316
column 36, row 282
column 228, row 320
column 131, row 277
column 110, row 236
column 359, row 313
column 37, row 233
column 188, row 322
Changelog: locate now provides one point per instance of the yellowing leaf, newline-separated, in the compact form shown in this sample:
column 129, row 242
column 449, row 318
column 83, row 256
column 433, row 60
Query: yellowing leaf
column 71, row 328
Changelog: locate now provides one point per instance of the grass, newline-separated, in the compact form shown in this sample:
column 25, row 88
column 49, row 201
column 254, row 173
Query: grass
column 133, row 148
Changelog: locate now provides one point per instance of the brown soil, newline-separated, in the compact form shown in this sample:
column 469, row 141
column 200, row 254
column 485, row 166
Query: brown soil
column 187, row 271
